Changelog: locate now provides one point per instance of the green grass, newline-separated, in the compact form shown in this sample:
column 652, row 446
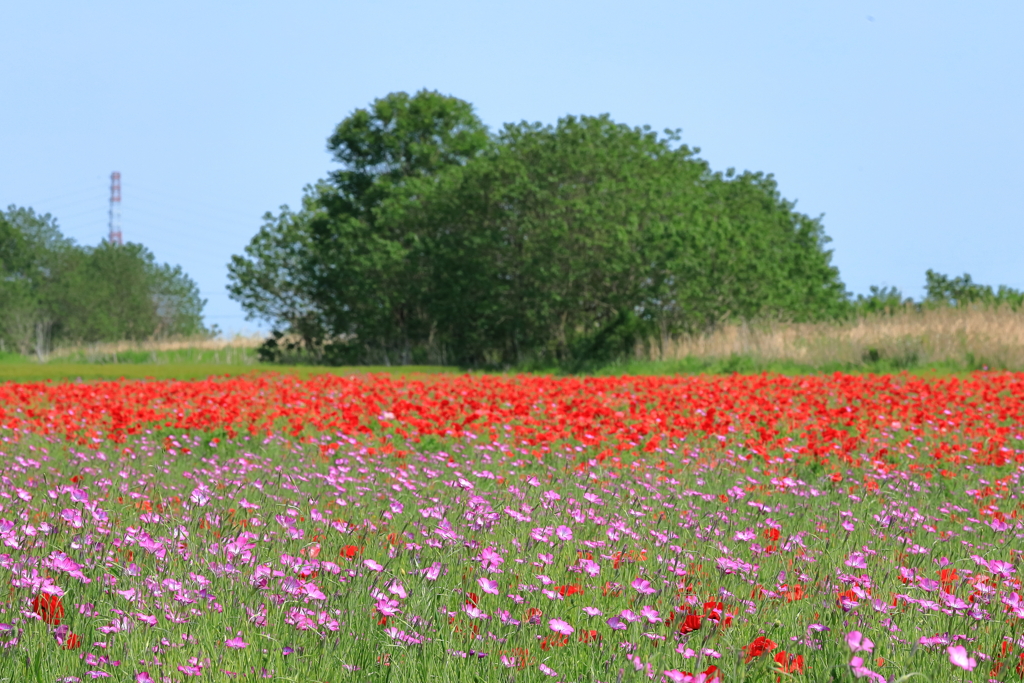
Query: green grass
column 749, row 365
column 189, row 356
column 187, row 364
column 86, row 372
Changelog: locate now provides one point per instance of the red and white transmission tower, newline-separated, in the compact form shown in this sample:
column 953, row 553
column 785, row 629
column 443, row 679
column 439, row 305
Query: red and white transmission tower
column 115, row 209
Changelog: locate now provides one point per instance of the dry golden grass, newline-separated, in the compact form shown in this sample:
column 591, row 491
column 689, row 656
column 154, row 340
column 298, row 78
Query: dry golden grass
column 962, row 336
column 225, row 349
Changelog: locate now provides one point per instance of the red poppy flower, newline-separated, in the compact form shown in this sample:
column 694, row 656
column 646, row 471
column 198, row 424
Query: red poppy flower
column 789, row 663
column 690, row 624
column 72, row 642
column 49, row 607
column 554, row 640
column 758, row 647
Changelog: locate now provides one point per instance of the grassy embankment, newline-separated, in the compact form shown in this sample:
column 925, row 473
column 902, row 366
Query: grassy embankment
column 933, row 342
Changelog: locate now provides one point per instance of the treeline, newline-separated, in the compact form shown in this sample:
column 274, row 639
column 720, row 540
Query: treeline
column 53, row 291
column 940, row 290
column 439, row 241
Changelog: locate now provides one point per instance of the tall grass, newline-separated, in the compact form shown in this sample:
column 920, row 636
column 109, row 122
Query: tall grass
column 235, row 350
column 970, row 338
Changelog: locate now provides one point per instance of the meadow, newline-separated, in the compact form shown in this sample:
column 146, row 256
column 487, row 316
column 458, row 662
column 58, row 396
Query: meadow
column 519, row 528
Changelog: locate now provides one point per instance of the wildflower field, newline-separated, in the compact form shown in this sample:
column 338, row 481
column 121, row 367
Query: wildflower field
column 487, row 528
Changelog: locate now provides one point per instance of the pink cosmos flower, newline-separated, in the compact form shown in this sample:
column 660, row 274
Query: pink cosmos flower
column 858, row 642
column 616, row 624
column 650, row 614
column 563, row 533
column 237, row 643
column 490, row 560
column 958, row 657
column 559, row 626
column 1001, row 568
column 856, row 560
column 387, row 607
column 861, row 671
column 488, row 586
column 473, row 612
column 643, row 586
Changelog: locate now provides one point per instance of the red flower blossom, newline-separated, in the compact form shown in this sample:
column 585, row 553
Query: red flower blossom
column 790, row 663
column 690, row 624
column 72, row 642
column 49, row 607
column 758, row 647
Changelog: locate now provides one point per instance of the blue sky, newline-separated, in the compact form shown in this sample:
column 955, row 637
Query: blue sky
column 900, row 122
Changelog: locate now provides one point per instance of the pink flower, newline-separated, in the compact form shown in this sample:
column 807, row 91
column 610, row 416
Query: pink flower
column 488, row 586
column 143, row 677
column 387, row 607
column 1000, row 568
column 432, row 572
column 373, row 564
column 650, row 614
column 490, row 560
column 545, row 669
column 563, row 533
column 559, row 626
column 958, row 657
column 473, row 612
column 643, row 586
column 861, row 671
column 856, row 560
column 858, row 642
column 592, row 611
column 237, row 642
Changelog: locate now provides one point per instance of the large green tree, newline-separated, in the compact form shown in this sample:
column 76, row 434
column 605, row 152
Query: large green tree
column 541, row 243
column 334, row 271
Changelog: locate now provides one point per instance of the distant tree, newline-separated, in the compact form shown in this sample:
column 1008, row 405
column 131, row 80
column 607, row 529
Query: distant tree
column 963, row 291
column 54, row 291
column 881, row 300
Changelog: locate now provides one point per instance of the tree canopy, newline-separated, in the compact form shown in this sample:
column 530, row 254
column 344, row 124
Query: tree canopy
column 566, row 243
column 55, row 291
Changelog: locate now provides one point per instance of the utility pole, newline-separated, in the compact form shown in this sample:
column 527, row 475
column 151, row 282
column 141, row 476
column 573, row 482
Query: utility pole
column 115, row 209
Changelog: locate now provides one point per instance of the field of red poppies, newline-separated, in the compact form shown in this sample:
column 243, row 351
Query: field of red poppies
column 514, row 528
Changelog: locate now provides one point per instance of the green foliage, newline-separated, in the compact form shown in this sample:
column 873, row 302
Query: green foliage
column 881, row 300
column 562, row 244
column 963, row 291
column 54, row 291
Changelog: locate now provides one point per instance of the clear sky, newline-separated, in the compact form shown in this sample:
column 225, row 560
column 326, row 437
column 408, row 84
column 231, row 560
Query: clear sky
column 901, row 122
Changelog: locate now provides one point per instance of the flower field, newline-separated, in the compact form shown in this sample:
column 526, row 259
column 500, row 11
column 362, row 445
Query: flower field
column 490, row 528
